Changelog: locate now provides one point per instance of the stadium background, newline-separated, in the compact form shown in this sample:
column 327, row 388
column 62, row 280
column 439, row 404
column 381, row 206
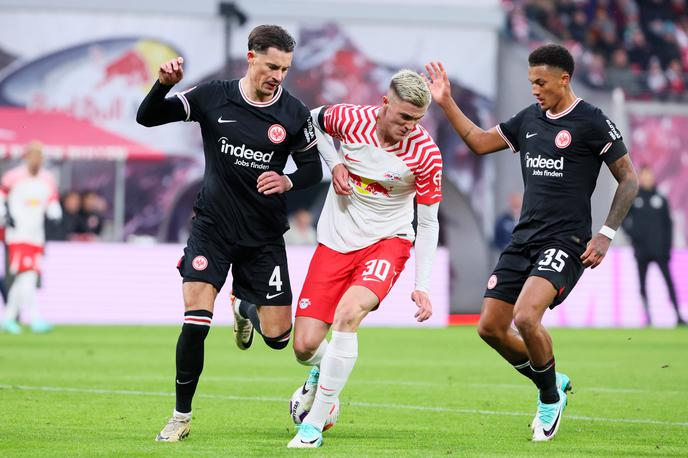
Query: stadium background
column 72, row 73
column 76, row 81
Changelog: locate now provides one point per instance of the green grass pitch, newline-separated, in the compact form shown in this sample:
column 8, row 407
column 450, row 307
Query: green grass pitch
column 107, row 391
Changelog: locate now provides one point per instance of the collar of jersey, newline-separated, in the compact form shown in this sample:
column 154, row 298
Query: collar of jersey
column 563, row 113
column 274, row 99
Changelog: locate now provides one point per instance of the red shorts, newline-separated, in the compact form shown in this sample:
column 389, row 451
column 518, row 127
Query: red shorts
column 24, row 257
column 331, row 273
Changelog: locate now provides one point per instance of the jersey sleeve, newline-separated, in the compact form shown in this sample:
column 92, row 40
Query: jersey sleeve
column 429, row 172
column 199, row 98
column 305, row 136
column 343, row 121
column 509, row 130
column 605, row 139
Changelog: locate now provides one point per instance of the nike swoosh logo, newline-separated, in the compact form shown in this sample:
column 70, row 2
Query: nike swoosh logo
column 270, row 296
column 528, row 134
column 547, row 269
column 554, row 426
column 184, row 383
column 220, row 120
column 309, row 442
column 350, row 159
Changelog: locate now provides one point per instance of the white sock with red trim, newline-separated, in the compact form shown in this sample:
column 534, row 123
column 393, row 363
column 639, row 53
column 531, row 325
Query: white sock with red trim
column 335, row 368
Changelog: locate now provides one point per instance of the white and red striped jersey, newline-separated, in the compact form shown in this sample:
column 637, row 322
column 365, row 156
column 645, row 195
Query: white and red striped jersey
column 384, row 180
column 28, row 198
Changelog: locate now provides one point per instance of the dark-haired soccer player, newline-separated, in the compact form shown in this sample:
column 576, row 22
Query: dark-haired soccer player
column 562, row 141
column 250, row 127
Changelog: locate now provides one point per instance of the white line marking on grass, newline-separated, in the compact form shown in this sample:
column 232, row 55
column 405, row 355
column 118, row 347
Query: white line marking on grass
column 448, row 383
column 57, row 389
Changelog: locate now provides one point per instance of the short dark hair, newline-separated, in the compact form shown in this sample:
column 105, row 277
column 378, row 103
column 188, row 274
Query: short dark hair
column 270, row 36
column 553, row 55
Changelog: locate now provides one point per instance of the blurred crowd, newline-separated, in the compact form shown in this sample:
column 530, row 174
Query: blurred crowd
column 640, row 46
column 83, row 217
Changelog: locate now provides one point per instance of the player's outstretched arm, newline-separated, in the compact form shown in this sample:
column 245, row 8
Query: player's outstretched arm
column 426, row 246
column 625, row 175
column 155, row 109
column 477, row 139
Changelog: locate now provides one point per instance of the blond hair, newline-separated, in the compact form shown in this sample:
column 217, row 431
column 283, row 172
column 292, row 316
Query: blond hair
column 410, row 87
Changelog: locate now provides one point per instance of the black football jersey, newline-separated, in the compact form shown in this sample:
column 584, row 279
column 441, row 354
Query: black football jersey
column 241, row 140
column 561, row 157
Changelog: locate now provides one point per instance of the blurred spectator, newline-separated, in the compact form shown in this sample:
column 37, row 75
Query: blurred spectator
column 619, row 74
column 301, row 230
column 29, row 195
column 70, row 224
column 504, row 225
column 657, row 80
column 93, row 208
column 650, row 228
column 676, row 80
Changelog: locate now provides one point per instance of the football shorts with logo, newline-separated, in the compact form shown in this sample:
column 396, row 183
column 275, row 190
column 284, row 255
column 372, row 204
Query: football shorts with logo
column 331, row 273
column 259, row 274
column 557, row 262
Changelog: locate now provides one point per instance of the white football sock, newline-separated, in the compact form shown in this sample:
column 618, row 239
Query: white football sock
column 16, row 296
column 30, row 288
column 336, row 365
column 181, row 416
column 317, row 357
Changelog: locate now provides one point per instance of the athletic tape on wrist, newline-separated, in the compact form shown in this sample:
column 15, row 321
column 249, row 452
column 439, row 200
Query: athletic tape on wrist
column 608, row 232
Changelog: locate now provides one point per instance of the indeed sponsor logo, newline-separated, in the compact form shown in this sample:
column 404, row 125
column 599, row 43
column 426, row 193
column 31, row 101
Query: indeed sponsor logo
column 545, row 166
column 243, row 154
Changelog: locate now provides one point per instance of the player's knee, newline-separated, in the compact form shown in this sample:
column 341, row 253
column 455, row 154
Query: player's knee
column 525, row 322
column 488, row 331
column 304, row 349
column 347, row 316
column 279, row 342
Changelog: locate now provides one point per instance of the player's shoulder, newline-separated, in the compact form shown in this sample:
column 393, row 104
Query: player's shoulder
column 351, row 112
column 291, row 111
column 529, row 112
column 209, row 90
column 597, row 120
column 420, row 143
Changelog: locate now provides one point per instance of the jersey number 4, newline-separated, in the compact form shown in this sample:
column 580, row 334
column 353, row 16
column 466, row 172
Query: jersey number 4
column 276, row 279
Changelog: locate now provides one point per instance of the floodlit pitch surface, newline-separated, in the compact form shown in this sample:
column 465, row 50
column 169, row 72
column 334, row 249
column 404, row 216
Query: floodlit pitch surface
column 107, row 391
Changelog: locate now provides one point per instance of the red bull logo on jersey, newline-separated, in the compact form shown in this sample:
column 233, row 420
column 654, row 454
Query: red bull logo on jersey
column 543, row 166
column 246, row 157
column 367, row 186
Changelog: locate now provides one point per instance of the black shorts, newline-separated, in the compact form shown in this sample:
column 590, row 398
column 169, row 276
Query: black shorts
column 260, row 274
column 556, row 262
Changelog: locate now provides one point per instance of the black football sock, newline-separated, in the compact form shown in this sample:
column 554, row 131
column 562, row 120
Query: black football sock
column 546, row 380
column 525, row 369
column 190, row 356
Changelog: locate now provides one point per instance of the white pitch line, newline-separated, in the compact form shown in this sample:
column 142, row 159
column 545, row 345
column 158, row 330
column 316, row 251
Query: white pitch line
column 452, row 383
column 57, row 389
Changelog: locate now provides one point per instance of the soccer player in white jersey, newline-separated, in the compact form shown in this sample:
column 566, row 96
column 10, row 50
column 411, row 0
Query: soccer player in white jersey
column 28, row 196
column 365, row 233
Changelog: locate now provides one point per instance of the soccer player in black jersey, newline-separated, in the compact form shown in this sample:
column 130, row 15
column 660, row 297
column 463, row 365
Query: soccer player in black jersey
column 249, row 127
column 563, row 142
